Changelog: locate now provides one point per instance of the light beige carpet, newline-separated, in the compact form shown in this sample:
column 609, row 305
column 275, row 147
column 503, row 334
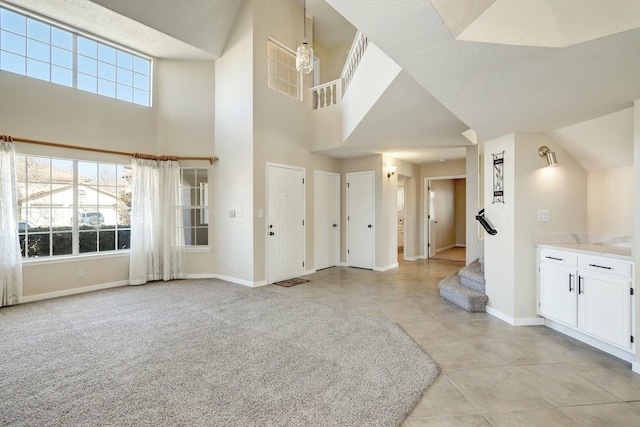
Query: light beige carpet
column 203, row 353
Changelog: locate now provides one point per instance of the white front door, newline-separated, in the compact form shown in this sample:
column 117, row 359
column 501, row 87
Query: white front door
column 431, row 221
column 285, row 223
column 360, row 220
column 326, row 219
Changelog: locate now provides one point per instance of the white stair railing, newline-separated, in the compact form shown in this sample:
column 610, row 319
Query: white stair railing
column 360, row 43
column 327, row 94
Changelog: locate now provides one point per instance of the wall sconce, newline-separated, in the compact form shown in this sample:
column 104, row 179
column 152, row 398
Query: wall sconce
column 544, row 151
column 391, row 171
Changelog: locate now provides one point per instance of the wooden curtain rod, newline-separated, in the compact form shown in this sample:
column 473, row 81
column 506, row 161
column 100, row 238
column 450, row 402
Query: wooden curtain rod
column 8, row 138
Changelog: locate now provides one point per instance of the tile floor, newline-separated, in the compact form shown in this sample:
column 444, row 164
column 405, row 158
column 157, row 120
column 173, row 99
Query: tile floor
column 493, row 374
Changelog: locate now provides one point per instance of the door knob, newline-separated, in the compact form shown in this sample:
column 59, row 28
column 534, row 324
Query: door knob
column 271, row 233
column 369, row 226
column 335, row 225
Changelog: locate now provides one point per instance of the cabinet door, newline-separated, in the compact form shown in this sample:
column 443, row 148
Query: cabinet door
column 558, row 294
column 604, row 307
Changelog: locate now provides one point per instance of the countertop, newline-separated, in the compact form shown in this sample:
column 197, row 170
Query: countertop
column 618, row 252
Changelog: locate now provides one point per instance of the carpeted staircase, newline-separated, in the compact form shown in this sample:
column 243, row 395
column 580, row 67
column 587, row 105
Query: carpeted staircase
column 465, row 288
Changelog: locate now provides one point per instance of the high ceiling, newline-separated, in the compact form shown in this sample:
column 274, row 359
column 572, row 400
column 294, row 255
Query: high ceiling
column 492, row 88
column 498, row 89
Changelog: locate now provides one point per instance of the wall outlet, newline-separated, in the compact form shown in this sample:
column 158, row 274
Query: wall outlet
column 543, row 215
column 230, row 265
column 80, row 274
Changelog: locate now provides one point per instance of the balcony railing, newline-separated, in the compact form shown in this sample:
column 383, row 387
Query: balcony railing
column 328, row 94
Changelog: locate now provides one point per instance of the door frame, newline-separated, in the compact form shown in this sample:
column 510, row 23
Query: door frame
column 304, row 214
column 373, row 214
column 337, row 175
column 425, row 219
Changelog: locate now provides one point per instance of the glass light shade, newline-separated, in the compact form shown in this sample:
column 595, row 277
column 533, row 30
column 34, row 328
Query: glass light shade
column 304, row 58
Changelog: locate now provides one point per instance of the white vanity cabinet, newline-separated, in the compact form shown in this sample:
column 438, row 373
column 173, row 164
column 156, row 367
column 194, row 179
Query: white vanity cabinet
column 588, row 294
column 558, row 294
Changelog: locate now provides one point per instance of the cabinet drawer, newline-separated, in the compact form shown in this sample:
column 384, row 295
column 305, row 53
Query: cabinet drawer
column 605, row 266
column 558, row 258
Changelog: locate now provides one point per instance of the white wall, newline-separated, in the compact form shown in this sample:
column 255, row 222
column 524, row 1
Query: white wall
column 529, row 186
column 233, row 173
column 610, row 201
column 474, row 189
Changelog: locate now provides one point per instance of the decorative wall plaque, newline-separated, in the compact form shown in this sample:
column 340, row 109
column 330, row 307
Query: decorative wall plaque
column 498, row 178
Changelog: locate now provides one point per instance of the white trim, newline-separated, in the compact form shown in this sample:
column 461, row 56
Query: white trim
column 627, row 355
column 515, row 321
column 635, row 367
column 338, row 202
column 386, row 267
column 412, row 258
column 238, row 281
column 74, row 291
column 500, row 315
column 75, row 258
column 425, row 220
column 373, row 214
column 307, row 272
column 304, row 217
column 529, row 321
column 202, row 276
column 445, row 248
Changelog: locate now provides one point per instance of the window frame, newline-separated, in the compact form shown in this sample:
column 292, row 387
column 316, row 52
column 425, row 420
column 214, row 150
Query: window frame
column 274, row 69
column 74, row 207
column 76, row 74
column 201, row 193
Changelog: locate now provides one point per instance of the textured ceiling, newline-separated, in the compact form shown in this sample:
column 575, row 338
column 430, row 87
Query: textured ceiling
column 499, row 89
column 545, row 23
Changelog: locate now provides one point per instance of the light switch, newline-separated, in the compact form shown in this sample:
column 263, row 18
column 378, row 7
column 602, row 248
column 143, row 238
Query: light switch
column 239, row 214
column 543, row 215
column 232, row 213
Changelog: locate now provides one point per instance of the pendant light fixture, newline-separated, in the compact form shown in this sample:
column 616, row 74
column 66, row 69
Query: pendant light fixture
column 304, row 53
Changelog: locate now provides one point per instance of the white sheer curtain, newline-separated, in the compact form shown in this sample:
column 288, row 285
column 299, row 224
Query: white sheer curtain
column 10, row 258
column 157, row 235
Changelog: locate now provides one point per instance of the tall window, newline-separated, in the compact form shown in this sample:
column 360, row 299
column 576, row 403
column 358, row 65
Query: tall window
column 282, row 75
column 71, row 207
column 194, row 190
column 43, row 51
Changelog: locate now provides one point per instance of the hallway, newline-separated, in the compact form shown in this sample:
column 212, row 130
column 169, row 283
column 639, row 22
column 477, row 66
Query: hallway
column 493, row 374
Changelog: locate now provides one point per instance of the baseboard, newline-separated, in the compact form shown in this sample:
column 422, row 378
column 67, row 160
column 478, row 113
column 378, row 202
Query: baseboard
column 412, row 258
column 386, row 267
column 626, row 355
column 461, row 245
column 500, row 315
column 202, row 276
column 74, row 291
column 516, row 321
column 635, row 367
column 239, row 281
column 307, row 272
column 445, row 248
column 529, row 321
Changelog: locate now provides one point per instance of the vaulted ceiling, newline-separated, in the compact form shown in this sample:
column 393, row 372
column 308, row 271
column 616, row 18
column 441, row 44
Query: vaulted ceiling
column 492, row 88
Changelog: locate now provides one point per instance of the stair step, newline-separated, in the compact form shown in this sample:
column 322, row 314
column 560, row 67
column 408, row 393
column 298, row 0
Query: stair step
column 473, row 272
column 472, row 284
column 467, row 299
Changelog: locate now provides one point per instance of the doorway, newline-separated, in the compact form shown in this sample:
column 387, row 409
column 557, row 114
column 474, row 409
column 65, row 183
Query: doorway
column 360, row 220
column 285, row 222
column 445, row 219
column 326, row 224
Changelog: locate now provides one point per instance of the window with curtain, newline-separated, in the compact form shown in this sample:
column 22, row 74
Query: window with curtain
column 72, row 207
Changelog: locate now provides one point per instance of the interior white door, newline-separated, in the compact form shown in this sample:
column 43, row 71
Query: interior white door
column 431, row 222
column 285, row 223
column 326, row 219
column 360, row 220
